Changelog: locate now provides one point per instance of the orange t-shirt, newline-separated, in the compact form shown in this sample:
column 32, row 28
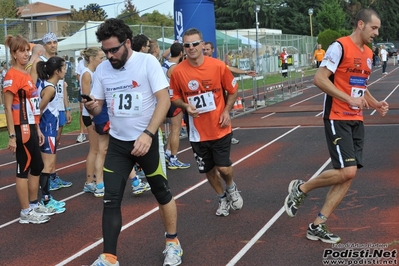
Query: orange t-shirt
column 319, row 54
column 350, row 77
column 25, row 105
column 209, row 81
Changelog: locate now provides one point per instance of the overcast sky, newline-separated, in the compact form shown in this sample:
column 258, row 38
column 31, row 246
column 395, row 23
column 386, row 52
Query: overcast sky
column 111, row 6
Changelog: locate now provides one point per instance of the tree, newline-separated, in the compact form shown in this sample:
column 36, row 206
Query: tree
column 325, row 38
column 331, row 15
column 242, row 11
column 90, row 12
column 158, row 19
column 9, row 10
column 130, row 14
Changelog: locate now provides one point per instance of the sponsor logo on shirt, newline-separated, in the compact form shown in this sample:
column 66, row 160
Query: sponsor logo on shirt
column 135, row 84
column 193, row 85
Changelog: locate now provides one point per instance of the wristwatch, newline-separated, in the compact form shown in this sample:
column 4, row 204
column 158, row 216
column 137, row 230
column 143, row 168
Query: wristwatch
column 11, row 136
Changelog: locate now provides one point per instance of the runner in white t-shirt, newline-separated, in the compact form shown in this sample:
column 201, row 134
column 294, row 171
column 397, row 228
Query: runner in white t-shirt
column 135, row 89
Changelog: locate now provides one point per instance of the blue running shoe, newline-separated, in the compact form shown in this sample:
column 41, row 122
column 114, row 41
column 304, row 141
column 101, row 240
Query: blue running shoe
column 56, row 202
column 89, row 187
column 99, row 192
column 167, row 158
column 176, row 164
column 61, row 182
column 53, row 201
column 139, row 186
column 54, row 185
column 54, row 205
column 139, row 171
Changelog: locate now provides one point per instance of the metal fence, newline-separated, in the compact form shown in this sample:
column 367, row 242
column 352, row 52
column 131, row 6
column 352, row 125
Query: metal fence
column 238, row 48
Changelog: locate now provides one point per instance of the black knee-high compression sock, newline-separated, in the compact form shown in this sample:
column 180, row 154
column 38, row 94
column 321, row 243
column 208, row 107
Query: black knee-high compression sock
column 45, row 185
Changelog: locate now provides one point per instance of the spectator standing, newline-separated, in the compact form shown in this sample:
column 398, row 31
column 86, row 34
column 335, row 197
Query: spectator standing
column 203, row 79
column 384, row 59
column 284, row 63
column 377, row 56
column 318, row 55
column 346, row 97
column 138, row 81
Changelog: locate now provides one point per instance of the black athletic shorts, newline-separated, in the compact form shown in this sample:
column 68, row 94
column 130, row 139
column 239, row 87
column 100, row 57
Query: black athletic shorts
column 87, row 120
column 345, row 140
column 209, row 154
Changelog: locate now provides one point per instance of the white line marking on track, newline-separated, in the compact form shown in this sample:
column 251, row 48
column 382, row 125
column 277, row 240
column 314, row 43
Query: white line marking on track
column 267, row 226
column 138, row 219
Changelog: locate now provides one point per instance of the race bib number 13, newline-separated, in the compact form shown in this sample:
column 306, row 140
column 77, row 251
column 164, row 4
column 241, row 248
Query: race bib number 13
column 127, row 104
column 204, row 102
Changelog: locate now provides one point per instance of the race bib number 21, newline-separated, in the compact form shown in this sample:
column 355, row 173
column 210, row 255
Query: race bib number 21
column 204, row 102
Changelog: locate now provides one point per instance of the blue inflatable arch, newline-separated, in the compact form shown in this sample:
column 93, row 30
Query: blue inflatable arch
column 198, row 14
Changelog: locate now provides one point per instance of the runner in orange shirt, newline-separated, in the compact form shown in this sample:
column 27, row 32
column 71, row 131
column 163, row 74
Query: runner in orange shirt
column 346, row 95
column 198, row 86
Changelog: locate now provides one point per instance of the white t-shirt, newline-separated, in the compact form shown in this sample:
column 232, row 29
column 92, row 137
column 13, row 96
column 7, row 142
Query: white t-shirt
column 333, row 57
column 384, row 54
column 84, row 110
column 129, row 93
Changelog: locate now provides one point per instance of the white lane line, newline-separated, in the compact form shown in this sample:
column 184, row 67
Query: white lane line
column 58, row 149
column 304, row 100
column 98, row 242
column 266, row 227
column 65, row 167
column 373, row 112
column 268, row 115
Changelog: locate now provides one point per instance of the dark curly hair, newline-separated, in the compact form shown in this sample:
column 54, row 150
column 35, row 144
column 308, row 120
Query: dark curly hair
column 139, row 41
column 114, row 27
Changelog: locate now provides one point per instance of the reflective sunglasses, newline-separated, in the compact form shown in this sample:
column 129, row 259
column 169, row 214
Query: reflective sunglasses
column 113, row 50
column 194, row 44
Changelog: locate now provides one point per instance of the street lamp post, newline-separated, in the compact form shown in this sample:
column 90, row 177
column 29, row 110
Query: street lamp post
column 310, row 12
column 257, row 9
column 31, row 19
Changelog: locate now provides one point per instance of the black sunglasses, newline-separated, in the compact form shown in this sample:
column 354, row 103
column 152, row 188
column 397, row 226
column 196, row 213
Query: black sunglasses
column 194, row 44
column 113, row 50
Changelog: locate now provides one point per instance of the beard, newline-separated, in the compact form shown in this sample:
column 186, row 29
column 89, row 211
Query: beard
column 119, row 63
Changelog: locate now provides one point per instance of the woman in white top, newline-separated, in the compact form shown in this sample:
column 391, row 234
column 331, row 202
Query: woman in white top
column 95, row 158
